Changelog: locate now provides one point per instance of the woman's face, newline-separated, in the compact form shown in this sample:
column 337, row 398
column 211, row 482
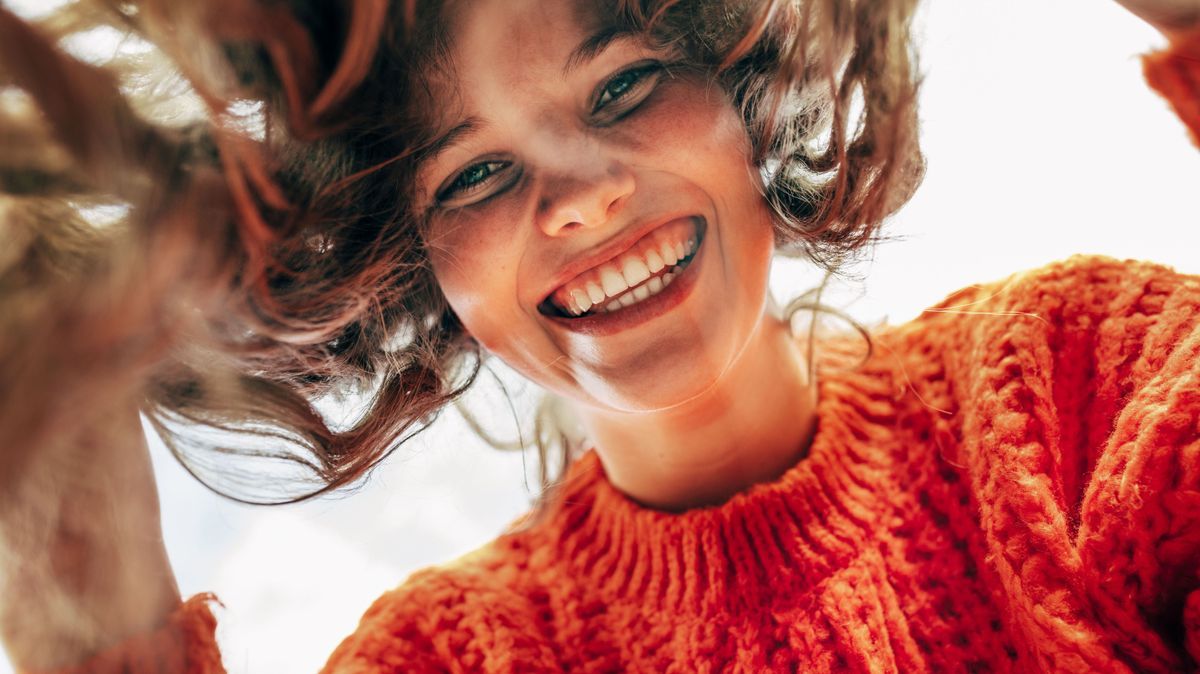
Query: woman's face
column 574, row 172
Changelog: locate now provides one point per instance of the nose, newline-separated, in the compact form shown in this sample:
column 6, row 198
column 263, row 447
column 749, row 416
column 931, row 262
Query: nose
column 584, row 195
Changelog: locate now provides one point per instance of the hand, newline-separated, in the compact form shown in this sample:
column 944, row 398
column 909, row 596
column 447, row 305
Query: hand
column 1168, row 16
column 82, row 562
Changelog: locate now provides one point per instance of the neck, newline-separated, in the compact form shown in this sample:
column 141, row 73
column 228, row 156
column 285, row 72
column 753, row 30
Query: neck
column 752, row 425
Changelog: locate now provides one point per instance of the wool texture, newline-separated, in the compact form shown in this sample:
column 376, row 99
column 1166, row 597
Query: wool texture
column 1010, row 483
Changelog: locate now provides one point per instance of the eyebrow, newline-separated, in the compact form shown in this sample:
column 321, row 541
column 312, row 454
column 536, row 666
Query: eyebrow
column 592, row 46
column 461, row 132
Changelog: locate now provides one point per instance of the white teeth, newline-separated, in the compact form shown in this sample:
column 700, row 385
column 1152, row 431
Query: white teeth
column 612, row 280
column 635, row 271
column 654, row 261
column 595, row 292
column 668, row 253
column 581, row 299
column 642, row 292
column 616, row 279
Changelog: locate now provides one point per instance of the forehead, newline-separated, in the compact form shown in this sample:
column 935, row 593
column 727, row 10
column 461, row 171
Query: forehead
column 501, row 43
column 528, row 28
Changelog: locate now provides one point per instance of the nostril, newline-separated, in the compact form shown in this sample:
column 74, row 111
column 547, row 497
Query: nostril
column 576, row 201
column 569, row 221
column 616, row 205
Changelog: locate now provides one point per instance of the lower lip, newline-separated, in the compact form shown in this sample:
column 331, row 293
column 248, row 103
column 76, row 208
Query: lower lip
column 599, row 325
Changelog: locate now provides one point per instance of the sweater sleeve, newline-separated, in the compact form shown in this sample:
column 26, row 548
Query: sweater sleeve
column 1076, row 420
column 185, row 644
column 1138, row 534
column 1175, row 73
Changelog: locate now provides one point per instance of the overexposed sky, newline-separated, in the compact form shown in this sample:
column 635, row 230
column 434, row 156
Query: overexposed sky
column 1042, row 141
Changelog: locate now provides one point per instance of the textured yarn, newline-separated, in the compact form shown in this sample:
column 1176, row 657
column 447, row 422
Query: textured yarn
column 1012, row 489
column 1011, row 483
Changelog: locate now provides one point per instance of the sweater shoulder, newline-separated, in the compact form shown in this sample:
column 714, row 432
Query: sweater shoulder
column 1061, row 321
column 1077, row 282
column 1077, row 293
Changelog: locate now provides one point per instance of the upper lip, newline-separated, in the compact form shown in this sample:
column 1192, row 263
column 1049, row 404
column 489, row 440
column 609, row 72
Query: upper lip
column 607, row 252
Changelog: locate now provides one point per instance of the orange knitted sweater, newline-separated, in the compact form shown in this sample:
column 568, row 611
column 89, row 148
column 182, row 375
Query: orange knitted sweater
column 1010, row 484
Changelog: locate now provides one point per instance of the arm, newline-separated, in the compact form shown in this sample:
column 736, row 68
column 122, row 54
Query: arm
column 86, row 587
column 1169, row 17
column 1175, row 72
column 82, row 563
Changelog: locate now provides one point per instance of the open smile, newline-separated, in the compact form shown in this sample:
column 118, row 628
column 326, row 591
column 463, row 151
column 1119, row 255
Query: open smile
column 643, row 271
column 633, row 303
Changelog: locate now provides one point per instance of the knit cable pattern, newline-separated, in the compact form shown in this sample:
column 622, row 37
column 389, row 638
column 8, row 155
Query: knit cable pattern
column 1010, row 485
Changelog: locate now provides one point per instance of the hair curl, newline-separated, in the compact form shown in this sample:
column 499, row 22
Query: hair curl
column 257, row 252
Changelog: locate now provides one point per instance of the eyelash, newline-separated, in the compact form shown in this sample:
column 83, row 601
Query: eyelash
column 642, row 74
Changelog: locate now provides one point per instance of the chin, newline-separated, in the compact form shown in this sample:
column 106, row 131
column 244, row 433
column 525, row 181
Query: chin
column 651, row 389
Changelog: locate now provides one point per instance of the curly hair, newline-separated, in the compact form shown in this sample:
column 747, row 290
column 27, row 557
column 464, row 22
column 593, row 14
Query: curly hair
column 217, row 217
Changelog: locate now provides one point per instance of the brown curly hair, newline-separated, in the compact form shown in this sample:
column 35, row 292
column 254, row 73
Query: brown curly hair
column 239, row 258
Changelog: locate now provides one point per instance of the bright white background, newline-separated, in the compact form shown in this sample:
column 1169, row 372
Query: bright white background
column 1042, row 141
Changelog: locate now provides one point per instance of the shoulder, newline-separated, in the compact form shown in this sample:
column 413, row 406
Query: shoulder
column 1073, row 326
column 1102, row 304
column 1088, row 330
column 452, row 614
column 1071, row 288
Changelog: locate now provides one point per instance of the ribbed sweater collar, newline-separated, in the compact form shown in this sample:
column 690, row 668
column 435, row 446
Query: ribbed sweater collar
column 782, row 536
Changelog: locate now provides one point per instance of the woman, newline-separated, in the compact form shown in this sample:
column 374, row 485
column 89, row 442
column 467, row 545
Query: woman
column 1011, row 493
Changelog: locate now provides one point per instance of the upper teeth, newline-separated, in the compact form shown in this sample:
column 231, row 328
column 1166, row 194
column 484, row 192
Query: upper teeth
column 665, row 247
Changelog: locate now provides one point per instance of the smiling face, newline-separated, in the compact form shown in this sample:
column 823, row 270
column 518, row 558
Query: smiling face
column 576, row 165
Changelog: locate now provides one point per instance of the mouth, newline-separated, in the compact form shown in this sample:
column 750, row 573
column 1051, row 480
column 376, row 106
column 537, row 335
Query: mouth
column 643, row 271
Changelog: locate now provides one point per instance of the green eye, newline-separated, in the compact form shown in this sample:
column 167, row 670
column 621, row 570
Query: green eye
column 627, row 85
column 620, row 84
column 474, row 175
column 472, row 179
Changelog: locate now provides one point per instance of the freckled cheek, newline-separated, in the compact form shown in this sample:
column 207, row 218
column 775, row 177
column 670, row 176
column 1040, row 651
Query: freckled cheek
column 696, row 131
column 476, row 265
column 484, row 302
